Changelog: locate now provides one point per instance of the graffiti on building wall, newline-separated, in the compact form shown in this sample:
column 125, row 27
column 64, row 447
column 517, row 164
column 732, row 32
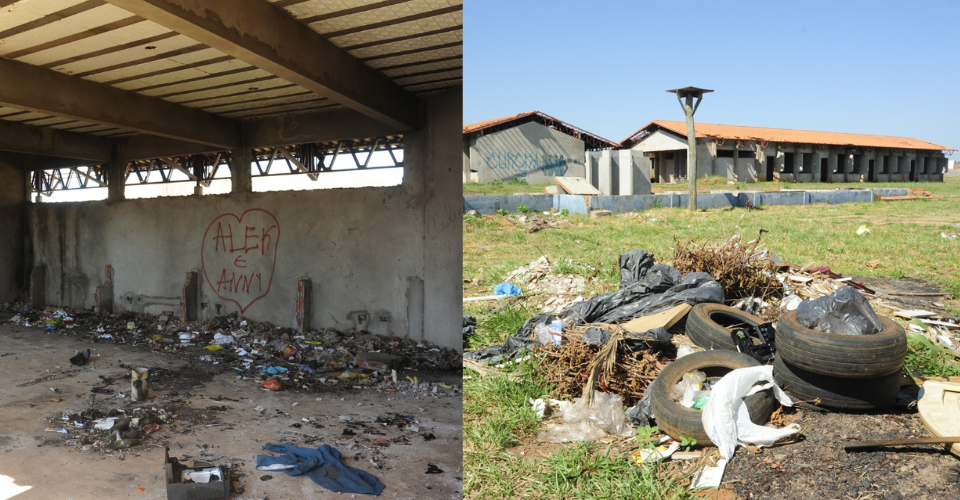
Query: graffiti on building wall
column 239, row 254
column 519, row 164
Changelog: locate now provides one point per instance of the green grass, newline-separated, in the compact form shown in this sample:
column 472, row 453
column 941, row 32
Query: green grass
column 905, row 237
column 511, row 186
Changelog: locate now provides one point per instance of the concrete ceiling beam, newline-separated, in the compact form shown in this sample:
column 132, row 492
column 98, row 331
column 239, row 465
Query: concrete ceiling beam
column 49, row 92
column 281, row 130
column 20, row 138
column 269, row 38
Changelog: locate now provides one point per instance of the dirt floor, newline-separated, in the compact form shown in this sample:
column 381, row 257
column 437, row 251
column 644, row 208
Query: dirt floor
column 208, row 413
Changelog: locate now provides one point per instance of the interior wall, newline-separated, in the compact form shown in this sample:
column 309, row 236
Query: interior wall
column 12, row 205
column 386, row 260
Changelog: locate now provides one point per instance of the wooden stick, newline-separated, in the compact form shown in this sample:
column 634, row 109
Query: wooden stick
column 901, row 442
column 917, row 294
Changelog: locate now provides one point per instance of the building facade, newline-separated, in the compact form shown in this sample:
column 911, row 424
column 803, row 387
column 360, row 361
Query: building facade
column 754, row 154
column 532, row 146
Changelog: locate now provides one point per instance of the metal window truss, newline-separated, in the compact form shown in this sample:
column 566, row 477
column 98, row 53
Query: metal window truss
column 47, row 181
column 310, row 159
column 307, row 159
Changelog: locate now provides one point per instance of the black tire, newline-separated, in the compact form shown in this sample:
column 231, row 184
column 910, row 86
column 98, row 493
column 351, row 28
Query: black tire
column 709, row 325
column 677, row 420
column 836, row 392
column 847, row 356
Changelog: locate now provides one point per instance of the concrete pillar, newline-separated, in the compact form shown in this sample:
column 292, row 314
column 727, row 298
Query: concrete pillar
column 189, row 297
column 304, row 286
column 103, row 294
column 797, row 163
column 815, row 161
column 240, row 174
column 778, row 163
column 588, row 163
column 847, row 168
column 116, row 180
column 15, row 254
column 466, row 160
column 832, row 165
column 38, row 287
column 628, row 173
column 605, row 173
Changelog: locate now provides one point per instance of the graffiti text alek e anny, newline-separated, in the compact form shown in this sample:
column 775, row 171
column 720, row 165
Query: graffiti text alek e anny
column 239, row 256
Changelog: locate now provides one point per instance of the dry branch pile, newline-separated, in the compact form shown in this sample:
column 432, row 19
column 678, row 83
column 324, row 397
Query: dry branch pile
column 741, row 268
column 621, row 370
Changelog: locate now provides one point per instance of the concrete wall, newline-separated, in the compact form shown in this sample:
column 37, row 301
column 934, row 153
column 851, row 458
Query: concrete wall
column 531, row 151
column 385, row 260
column 618, row 172
column 13, row 199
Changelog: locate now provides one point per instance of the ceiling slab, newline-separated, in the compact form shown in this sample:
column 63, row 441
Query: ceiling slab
column 267, row 37
column 49, row 92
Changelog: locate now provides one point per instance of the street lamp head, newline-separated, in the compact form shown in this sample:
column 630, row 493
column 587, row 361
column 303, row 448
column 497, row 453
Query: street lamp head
column 689, row 91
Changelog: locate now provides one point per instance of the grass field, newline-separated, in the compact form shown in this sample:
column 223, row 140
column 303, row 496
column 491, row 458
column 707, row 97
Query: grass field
column 904, row 236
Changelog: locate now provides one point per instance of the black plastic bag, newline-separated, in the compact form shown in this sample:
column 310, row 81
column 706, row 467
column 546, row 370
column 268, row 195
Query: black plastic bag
column 469, row 325
column 844, row 312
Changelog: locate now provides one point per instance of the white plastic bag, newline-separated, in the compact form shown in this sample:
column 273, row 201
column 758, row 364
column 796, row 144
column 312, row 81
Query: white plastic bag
column 726, row 418
column 589, row 423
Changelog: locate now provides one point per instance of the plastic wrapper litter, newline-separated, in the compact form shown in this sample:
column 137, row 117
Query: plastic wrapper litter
column 603, row 417
column 844, row 312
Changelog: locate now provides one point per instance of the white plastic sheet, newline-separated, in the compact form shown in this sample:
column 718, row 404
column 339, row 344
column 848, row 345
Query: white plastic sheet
column 726, row 418
column 588, row 423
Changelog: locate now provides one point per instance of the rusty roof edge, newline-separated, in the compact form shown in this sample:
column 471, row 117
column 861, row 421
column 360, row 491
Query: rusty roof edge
column 482, row 125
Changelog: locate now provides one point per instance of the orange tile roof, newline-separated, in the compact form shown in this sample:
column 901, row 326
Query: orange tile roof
column 473, row 127
column 543, row 117
column 740, row 133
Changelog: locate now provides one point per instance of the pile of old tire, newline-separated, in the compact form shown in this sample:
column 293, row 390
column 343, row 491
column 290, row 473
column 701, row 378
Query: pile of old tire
column 840, row 372
column 677, row 420
column 709, row 325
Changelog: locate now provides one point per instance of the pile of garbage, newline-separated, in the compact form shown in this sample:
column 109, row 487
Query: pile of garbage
column 95, row 430
column 280, row 357
column 548, row 290
column 670, row 346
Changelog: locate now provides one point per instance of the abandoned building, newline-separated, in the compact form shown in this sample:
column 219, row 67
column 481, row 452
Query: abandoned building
column 752, row 154
column 115, row 94
column 532, row 146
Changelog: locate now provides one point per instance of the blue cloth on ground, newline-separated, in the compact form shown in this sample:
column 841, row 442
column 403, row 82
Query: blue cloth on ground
column 322, row 465
column 506, row 289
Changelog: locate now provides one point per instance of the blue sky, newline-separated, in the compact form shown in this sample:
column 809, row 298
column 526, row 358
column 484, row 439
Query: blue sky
column 887, row 68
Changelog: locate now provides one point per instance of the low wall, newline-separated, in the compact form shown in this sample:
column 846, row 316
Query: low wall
column 621, row 204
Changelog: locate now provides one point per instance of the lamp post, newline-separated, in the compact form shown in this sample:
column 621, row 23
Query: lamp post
column 689, row 108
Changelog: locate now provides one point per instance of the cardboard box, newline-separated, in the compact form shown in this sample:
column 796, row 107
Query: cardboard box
column 218, row 488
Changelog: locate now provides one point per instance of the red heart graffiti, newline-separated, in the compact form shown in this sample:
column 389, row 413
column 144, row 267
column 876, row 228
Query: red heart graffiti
column 239, row 255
